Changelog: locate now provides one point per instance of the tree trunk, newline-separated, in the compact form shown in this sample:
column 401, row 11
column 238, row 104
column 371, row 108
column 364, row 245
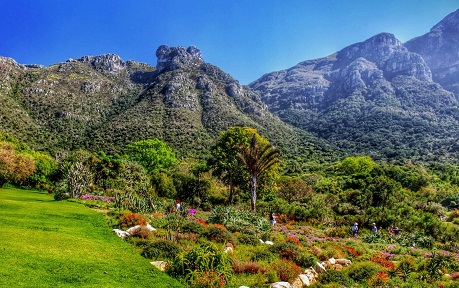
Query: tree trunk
column 253, row 191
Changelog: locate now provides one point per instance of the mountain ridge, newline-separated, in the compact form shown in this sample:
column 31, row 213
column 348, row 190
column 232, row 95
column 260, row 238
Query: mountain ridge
column 378, row 97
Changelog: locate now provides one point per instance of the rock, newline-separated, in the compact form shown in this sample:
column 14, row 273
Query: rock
column 338, row 267
column 121, row 233
column 244, row 287
column 332, row 261
column 320, row 268
column 228, row 249
column 305, row 279
column 297, row 283
column 344, row 262
column 261, row 241
column 269, row 243
column 161, row 265
column 280, row 285
column 173, row 58
column 132, row 229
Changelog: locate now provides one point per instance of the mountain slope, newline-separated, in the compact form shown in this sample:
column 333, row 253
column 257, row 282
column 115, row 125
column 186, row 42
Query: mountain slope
column 104, row 103
column 440, row 49
column 373, row 97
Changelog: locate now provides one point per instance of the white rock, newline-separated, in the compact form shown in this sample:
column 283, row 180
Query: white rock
column 344, row 262
column 280, row 285
column 332, row 261
column 261, row 241
column 269, row 243
column 148, row 226
column 161, row 265
column 305, row 279
column 121, row 233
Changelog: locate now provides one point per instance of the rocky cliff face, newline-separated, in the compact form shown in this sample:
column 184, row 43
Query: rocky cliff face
column 102, row 103
column 363, row 98
column 440, row 49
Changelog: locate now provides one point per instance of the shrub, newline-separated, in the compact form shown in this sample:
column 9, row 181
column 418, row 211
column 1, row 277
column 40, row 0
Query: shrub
column 333, row 276
column 160, row 249
column 194, row 263
column 247, row 267
column 306, row 260
column 261, row 255
column 286, row 270
column 219, row 234
column 286, row 250
column 383, row 263
column 142, row 232
column 248, row 239
column 131, row 219
column 194, row 227
column 363, row 271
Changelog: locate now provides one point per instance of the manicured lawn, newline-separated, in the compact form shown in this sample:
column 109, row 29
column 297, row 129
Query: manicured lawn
column 47, row 243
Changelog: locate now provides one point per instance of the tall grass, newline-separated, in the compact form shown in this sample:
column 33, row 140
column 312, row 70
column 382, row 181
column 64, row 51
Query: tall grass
column 46, row 243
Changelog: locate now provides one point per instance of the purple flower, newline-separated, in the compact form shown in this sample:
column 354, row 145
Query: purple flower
column 192, row 211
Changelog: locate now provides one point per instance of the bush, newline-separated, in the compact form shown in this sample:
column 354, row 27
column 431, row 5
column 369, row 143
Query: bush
column 248, row 239
column 219, row 234
column 286, row 270
column 363, row 271
column 142, row 232
column 247, row 267
column 306, row 260
column 160, row 249
column 286, row 250
column 333, row 276
column 206, row 258
column 264, row 254
column 128, row 220
column 194, row 227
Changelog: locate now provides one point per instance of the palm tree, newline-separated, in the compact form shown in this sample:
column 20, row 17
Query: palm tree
column 257, row 160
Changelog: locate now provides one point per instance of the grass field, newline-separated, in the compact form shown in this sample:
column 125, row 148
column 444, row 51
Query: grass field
column 47, row 243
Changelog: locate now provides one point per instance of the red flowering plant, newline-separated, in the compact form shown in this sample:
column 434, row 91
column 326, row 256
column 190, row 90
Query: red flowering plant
column 131, row 219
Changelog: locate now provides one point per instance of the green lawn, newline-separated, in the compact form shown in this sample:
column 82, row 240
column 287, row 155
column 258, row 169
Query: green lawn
column 47, row 243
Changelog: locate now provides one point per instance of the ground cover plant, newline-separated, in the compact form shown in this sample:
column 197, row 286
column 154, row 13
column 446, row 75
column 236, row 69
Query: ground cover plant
column 47, row 243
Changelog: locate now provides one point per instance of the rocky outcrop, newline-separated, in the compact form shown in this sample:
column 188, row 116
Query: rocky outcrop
column 440, row 50
column 172, row 58
column 364, row 91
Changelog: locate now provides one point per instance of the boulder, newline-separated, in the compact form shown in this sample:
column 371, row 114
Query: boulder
column 280, row 285
column 342, row 261
column 161, row 265
column 320, row 268
column 121, row 233
column 132, row 229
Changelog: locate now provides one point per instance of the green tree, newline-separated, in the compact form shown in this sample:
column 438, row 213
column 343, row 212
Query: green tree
column 153, row 154
column 356, row 165
column 257, row 159
column 224, row 159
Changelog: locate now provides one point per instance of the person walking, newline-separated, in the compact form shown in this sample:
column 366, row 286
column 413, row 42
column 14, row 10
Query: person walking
column 355, row 230
column 374, row 229
column 272, row 219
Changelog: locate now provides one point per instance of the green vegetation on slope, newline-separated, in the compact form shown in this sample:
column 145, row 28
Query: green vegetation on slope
column 51, row 243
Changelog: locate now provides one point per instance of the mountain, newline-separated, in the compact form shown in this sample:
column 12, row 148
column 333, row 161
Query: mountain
column 440, row 49
column 102, row 103
column 376, row 97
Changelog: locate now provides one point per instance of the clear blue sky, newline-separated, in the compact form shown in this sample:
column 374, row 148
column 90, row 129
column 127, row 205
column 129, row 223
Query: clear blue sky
column 244, row 38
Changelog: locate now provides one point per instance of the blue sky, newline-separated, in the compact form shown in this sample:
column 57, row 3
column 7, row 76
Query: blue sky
column 244, row 38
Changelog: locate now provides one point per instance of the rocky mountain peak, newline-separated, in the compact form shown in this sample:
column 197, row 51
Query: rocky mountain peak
column 377, row 49
column 449, row 24
column 111, row 63
column 172, row 58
